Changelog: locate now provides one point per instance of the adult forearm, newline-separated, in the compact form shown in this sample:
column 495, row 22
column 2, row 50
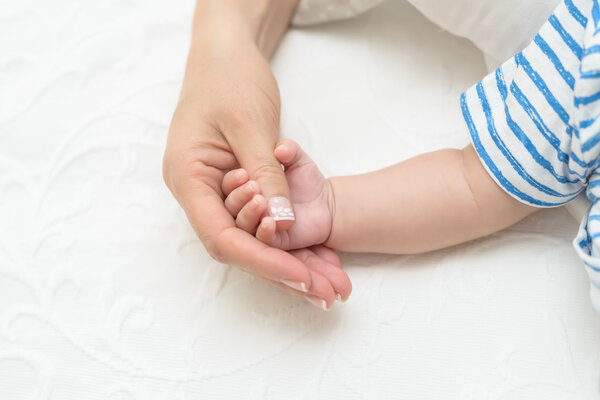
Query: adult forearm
column 261, row 23
column 429, row 202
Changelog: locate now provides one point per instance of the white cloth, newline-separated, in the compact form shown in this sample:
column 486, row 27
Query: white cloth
column 318, row 11
column 499, row 28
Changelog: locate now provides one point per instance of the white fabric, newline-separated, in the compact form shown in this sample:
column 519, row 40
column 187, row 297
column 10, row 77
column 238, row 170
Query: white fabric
column 318, row 11
column 498, row 28
column 105, row 293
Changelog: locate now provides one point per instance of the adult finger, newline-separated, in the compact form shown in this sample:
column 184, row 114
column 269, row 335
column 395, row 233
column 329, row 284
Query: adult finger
column 230, row 245
column 339, row 280
column 327, row 254
column 314, row 300
column 255, row 154
column 321, row 293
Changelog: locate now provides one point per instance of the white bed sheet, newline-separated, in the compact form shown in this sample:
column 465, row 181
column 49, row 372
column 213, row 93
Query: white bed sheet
column 105, row 293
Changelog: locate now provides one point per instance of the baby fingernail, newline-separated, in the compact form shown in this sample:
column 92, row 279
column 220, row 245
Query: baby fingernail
column 317, row 302
column 280, row 209
column 241, row 173
column 300, row 286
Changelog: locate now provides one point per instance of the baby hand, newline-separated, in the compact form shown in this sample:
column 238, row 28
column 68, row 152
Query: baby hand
column 311, row 195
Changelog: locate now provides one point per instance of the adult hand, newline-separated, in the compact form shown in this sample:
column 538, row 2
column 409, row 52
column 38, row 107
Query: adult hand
column 228, row 116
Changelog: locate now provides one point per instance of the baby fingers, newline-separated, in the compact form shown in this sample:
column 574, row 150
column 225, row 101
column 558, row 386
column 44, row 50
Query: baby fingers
column 234, row 179
column 290, row 155
column 249, row 216
column 240, row 196
column 266, row 231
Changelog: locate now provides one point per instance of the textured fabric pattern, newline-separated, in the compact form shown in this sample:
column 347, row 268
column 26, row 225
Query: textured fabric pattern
column 106, row 293
column 499, row 28
column 534, row 120
column 318, row 11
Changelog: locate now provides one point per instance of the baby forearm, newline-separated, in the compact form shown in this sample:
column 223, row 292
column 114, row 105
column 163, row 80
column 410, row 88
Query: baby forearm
column 429, row 202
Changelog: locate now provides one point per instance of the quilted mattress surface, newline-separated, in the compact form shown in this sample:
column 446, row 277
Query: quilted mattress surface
column 105, row 292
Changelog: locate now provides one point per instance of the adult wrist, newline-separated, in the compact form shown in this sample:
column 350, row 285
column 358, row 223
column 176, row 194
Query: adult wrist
column 274, row 23
column 227, row 23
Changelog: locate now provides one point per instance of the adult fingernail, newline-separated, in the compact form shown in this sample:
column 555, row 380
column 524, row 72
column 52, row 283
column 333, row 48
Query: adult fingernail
column 300, row 286
column 317, row 302
column 280, row 209
column 338, row 297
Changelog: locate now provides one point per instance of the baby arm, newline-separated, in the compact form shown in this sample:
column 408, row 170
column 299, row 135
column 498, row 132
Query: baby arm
column 429, row 202
column 426, row 203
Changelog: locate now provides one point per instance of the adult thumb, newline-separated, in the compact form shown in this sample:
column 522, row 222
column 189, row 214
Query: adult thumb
column 263, row 167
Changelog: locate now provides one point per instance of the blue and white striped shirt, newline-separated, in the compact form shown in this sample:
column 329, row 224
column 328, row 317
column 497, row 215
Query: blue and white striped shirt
column 535, row 122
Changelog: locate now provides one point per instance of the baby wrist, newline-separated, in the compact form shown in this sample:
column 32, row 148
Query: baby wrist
column 331, row 239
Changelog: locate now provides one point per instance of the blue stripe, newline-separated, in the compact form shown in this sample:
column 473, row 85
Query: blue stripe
column 547, row 50
column 587, row 99
column 591, row 50
column 568, row 39
column 571, row 130
column 509, row 187
column 524, row 139
column 545, row 131
column 590, row 143
column 579, row 17
column 587, row 123
column 596, row 13
column 594, row 218
column 543, row 88
column 593, row 74
column 594, row 184
column 590, row 266
column 506, row 152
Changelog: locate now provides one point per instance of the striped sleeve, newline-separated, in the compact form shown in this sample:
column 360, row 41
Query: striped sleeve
column 521, row 118
column 535, row 122
column 587, row 101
